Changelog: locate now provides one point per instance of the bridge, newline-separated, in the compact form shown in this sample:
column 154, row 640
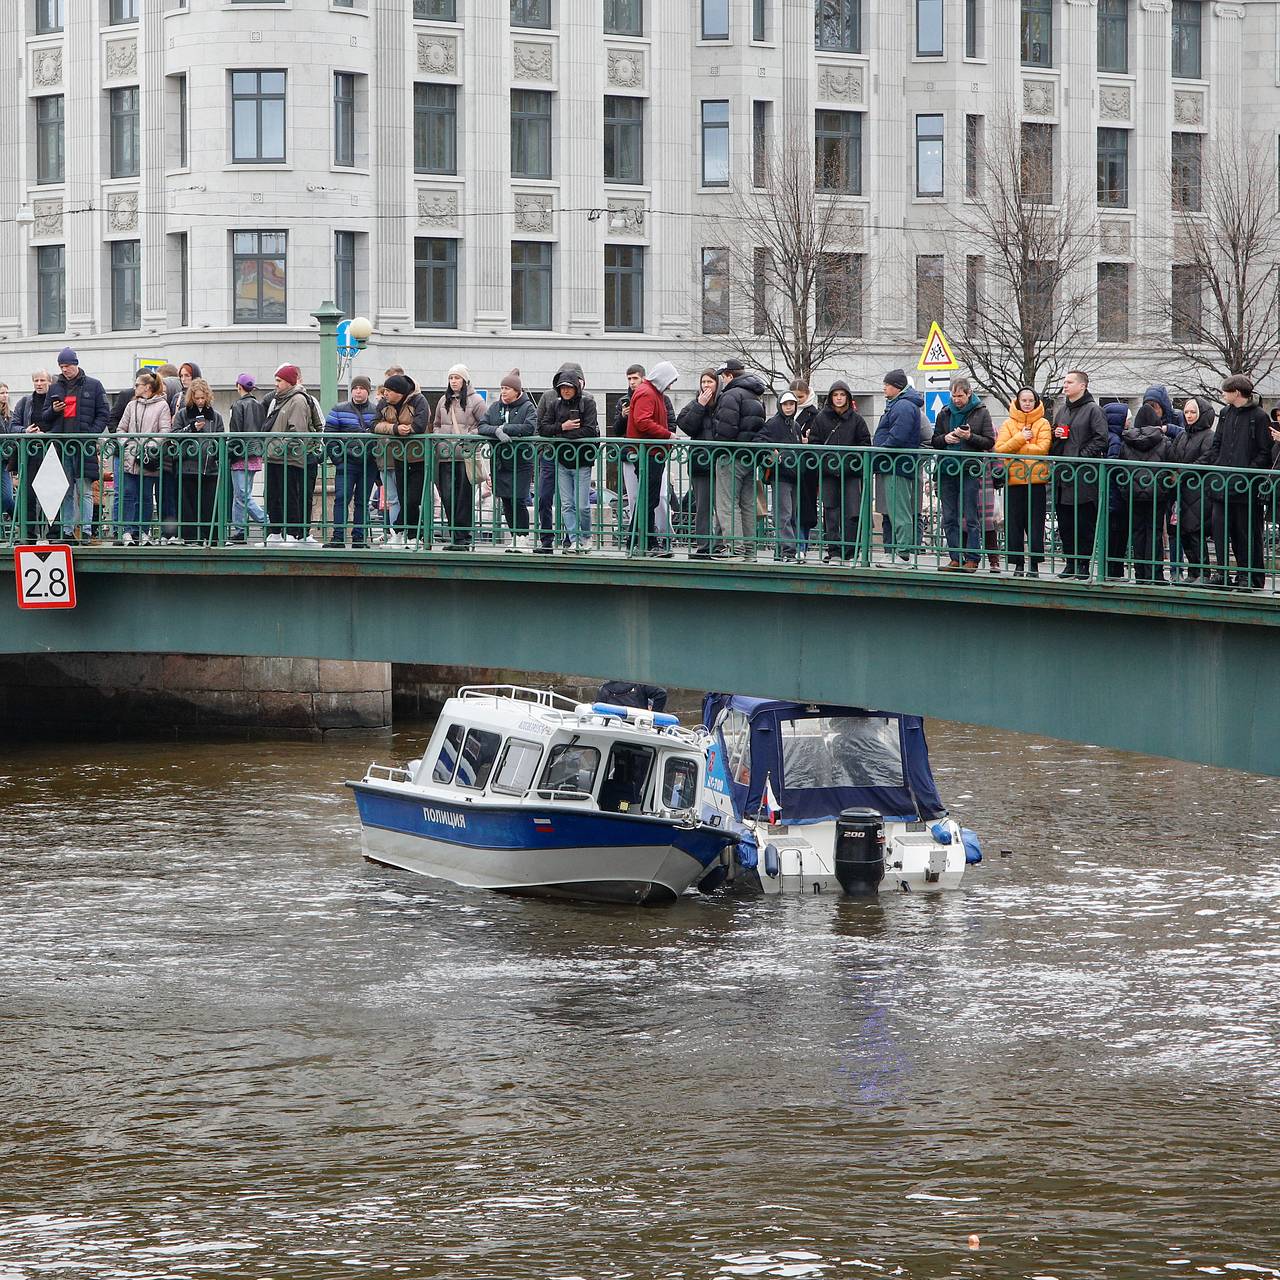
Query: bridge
column 1189, row 674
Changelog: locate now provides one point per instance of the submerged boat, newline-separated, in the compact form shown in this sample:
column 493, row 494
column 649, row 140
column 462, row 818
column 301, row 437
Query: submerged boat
column 526, row 792
column 825, row 798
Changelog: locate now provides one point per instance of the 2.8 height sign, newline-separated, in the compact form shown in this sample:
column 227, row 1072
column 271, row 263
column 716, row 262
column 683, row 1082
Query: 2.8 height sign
column 46, row 577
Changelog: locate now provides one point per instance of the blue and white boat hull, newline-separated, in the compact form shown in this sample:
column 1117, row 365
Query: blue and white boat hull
column 550, row 851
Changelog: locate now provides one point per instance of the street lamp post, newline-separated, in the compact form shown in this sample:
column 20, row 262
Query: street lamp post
column 327, row 316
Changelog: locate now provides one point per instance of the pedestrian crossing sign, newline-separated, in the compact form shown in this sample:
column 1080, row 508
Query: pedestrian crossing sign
column 937, row 352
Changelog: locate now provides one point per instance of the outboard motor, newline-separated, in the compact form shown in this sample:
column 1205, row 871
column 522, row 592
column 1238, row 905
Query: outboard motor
column 859, row 856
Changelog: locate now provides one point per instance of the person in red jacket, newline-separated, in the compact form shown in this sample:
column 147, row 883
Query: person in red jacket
column 647, row 420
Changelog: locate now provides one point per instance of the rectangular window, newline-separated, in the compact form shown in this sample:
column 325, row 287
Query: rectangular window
column 1187, row 304
column 126, row 284
column 257, row 117
column 477, row 759
column 623, row 139
column 761, row 121
column 530, row 285
column 1113, row 168
column 972, row 156
column 530, row 13
column 623, row 18
column 715, row 19
column 177, row 268
column 975, row 266
column 838, row 25
column 1037, row 163
column 439, row 10
column 124, row 132
column 124, row 11
column 435, row 283
column 1113, row 35
column 49, row 139
column 928, row 28
column 1037, row 33
column 838, row 294
column 258, row 275
column 838, row 152
column 344, row 272
column 715, row 291
column 49, row 18
column 519, row 767
column 929, row 295
column 715, row 144
column 759, row 19
column 972, row 29
column 344, row 119
column 1040, row 284
column 530, row 133
column 1186, row 172
column 435, row 128
column 51, row 296
column 929, row 150
column 761, row 275
column 623, row 288
column 182, row 121
column 1186, row 39
column 1113, row 302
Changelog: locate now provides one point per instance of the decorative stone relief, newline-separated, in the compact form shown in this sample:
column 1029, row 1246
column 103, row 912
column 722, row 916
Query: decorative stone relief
column 840, row 84
column 626, row 217
column 437, row 208
column 1229, row 10
column 1115, row 102
column 46, row 66
column 122, row 59
column 535, row 213
column 1115, row 238
column 1157, row 6
column 437, row 55
column 1188, row 106
column 532, row 61
column 626, row 68
column 48, row 217
column 1039, row 98
column 122, row 211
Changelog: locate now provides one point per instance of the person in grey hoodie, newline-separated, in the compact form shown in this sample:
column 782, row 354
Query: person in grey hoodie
column 546, row 496
column 899, row 429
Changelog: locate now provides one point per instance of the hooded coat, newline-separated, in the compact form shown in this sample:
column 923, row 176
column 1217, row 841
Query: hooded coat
column 1190, row 449
column 1168, row 417
column 739, row 415
column 839, row 429
column 1143, row 440
column 581, row 407
column 782, row 430
column 1011, row 440
column 649, row 418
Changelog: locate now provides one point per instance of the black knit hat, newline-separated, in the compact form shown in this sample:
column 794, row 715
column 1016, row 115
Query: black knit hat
column 401, row 384
column 896, row 378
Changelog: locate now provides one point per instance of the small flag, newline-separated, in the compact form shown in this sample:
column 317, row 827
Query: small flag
column 772, row 810
column 542, row 824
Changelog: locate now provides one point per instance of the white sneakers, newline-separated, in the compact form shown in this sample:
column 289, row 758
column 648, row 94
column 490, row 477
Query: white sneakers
column 311, row 540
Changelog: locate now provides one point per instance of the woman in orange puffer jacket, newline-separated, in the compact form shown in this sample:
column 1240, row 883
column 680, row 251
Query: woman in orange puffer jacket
column 1027, row 434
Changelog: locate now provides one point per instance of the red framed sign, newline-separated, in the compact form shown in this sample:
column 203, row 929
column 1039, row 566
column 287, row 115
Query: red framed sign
column 45, row 576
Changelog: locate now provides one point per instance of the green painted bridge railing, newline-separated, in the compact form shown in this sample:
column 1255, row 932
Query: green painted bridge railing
column 1100, row 520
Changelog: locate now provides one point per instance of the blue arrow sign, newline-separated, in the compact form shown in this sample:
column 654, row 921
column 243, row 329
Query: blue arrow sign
column 934, row 403
column 346, row 347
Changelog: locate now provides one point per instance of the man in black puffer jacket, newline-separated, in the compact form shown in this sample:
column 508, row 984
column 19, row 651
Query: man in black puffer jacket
column 1243, row 442
column 739, row 419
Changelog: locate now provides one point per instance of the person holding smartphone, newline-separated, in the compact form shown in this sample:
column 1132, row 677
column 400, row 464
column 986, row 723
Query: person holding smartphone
column 76, row 408
column 198, row 462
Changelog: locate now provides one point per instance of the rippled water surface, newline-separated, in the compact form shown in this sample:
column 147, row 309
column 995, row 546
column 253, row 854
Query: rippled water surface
column 229, row 1047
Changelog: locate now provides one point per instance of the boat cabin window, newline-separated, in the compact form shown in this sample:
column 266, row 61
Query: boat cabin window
column 476, row 762
column 625, row 778
column 570, row 767
column 447, row 760
column 841, row 751
column 679, row 783
column 519, row 767
column 735, row 730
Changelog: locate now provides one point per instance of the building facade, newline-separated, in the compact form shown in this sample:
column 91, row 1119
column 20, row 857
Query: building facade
column 516, row 182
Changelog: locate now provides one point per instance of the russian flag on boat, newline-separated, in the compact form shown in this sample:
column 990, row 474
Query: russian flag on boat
column 769, row 806
column 542, row 824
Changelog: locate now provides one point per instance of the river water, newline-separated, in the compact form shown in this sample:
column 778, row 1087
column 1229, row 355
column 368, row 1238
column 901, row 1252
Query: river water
column 230, row 1047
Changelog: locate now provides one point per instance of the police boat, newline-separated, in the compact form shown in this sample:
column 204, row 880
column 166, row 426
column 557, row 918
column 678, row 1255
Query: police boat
column 827, row 798
column 526, row 792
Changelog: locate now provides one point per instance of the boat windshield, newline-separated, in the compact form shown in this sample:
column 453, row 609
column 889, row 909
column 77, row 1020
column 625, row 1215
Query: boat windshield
column 570, row 767
column 841, row 751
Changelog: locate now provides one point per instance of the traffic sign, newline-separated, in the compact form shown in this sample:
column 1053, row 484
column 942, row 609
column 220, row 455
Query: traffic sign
column 347, row 345
column 46, row 577
column 934, row 403
column 937, row 352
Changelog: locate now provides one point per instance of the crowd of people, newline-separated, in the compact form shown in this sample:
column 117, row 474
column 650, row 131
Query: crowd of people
column 160, row 462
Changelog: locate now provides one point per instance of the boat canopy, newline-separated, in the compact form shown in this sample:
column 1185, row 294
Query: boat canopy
column 821, row 758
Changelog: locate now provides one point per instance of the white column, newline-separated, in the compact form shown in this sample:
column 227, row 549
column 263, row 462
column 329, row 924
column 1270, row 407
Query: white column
column 391, row 149
column 82, row 116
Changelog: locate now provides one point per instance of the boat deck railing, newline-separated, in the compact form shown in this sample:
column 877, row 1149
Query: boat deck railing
column 520, row 693
column 387, row 773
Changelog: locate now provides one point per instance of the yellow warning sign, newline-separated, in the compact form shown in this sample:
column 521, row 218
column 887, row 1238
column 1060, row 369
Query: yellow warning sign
column 936, row 355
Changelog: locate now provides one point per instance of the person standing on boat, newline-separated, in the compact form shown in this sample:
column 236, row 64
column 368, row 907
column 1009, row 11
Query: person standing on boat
column 649, row 420
column 626, row 693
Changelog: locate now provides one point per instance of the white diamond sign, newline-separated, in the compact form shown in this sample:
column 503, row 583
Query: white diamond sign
column 50, row 485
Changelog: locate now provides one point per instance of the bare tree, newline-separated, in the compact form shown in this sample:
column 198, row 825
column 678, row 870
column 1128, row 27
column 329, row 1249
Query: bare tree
column 1217, row 308
column 786, row 289
column 1027, row 313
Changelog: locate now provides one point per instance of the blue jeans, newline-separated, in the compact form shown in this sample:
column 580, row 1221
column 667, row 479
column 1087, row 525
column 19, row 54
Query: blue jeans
column 6, row 492
column 77, row 508
column 139, row 490
column 354, row 479
column 957, row 491
column 574, row 486
column 547, row 497
column 242, row 501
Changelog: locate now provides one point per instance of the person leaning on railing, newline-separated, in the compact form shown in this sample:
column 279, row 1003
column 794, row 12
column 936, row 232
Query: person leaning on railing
column 511, row 423
column 572, row 420
column 1243, row 442
column 1025, row 433
column 839, row 426
column 198, row 464
column 649, row 421
column 1079, row 432
column 354, row 469
column 696, row 420
column 405, row 417
column 739, row 416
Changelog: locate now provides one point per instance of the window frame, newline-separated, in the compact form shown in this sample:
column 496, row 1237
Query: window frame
column 842, row 275
column 344, row 120
column 126, row 313
column 843, row 139
column 1032, row 13
column 928, row 278
column 705, row 29
column 1113, row 18
column 262, row 99
column 477, row 733
column 1113, row 162
column 531, row 14
column 1103, row 291
column 1193, row 333
column 844, row 16
column 532, row 134
column 554, row 756
column 51, row 141
column 345, row 249
column 1179, row 28
column 450, row 14
column 261, row 256
column 496, row 783
column 1187, row 171
column 938, row 10
column 58, row 275
column 537, row 271
column 715, row 263
column 617, row 21
column 621, row 131
column 124, row 132
column 435, row 127
column 118, row 14
column 717, row 131
column 47, row 25
column 622, row 279
column 925, row 140
column 426, row 266
column 1035, row 129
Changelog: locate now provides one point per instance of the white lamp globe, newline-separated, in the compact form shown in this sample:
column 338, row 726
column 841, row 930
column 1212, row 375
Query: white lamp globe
column 361, row 328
